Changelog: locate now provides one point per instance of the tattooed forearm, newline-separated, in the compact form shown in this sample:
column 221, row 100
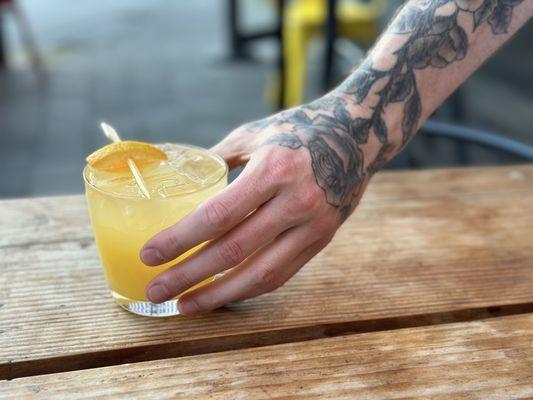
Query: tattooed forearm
column 381, row 158
column 433, row 40
column 428, row 34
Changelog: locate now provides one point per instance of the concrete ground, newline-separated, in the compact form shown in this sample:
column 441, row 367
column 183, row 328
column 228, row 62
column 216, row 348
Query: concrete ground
column 158, row 71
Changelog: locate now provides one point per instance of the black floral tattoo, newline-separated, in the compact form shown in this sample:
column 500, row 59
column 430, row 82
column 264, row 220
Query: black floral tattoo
column 333, row 137
column 381, row 158
column 336, row 159
column 432, row 40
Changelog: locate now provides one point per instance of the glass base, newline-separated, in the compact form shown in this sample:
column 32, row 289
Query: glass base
column 146, row 308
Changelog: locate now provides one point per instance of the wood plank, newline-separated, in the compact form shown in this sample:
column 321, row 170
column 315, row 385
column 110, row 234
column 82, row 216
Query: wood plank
column 491, row 359
column 424, row 247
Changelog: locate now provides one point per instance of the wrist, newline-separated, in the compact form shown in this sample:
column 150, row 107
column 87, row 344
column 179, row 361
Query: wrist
column 346, row 125
column 375, row 135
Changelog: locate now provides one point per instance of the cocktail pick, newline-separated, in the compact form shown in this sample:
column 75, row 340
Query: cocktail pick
column 112, row 135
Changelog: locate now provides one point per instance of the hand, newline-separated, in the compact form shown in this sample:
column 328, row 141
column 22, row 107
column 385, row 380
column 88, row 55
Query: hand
column 304, row 175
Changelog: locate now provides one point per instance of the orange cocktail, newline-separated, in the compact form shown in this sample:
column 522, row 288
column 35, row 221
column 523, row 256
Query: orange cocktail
column 123, row 218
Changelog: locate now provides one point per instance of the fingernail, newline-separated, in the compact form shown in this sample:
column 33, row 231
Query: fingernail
column 152, row 256
column 187, row 307
column 158, row 293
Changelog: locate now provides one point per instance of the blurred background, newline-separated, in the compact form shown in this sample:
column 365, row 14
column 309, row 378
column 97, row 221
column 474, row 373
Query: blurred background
column 191, row 71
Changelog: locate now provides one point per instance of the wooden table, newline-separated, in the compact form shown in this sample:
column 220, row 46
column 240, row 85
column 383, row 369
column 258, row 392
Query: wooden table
column 427, row 291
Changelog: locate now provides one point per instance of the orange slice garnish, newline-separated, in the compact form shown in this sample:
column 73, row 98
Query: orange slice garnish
column 114, row 157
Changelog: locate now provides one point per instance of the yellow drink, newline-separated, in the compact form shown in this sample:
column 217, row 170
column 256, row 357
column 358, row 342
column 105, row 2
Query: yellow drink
column 123, row 219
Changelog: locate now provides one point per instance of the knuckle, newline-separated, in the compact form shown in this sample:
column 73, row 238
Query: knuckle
column 306, row 204
column 311, row 198
column 217, row 215
column 230, row 252
column 328, row 223
column 269, row 280
column 180, row 279
column 323, row 230
column 195, row 305
column 281, row 165
column 172, row 245
column 325, row 239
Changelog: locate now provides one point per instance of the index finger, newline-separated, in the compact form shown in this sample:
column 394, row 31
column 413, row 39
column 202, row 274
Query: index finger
column 211, row 219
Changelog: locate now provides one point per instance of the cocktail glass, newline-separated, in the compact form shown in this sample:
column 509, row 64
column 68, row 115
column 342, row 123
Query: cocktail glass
column 123, row 219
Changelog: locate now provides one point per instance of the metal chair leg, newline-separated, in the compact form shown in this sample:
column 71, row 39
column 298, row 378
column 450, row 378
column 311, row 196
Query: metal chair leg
column 3, row 58
column 331, row 33
column 281, row 55
column 29, row 41
column 237, row 43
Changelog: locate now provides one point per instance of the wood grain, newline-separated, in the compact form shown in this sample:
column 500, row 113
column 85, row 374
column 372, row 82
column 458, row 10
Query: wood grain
column 424, row 247
column 490, row 359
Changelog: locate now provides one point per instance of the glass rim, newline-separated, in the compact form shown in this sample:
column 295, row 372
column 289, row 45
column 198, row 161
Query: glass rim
column 126, row 196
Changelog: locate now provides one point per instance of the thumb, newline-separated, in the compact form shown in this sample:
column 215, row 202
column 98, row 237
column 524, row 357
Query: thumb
column 232, row 152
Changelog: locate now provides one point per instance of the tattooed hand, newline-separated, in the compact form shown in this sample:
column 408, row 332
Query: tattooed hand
column 325, row 129
column 306, row 168
column 304, row 174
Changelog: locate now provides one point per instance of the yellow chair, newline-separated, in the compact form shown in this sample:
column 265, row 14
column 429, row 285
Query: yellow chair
column 305, row 19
